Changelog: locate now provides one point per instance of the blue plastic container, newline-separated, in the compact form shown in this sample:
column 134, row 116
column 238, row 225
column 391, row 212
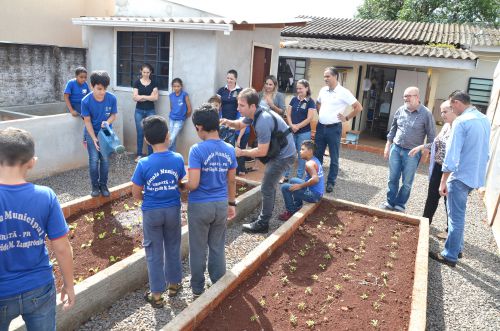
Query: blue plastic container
column 109, row 142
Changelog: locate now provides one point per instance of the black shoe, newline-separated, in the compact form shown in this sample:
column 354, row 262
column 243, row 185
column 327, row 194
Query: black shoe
column 95, row 192
column 104, row 191
column 460, row 255
column 329, row 188
column 255, row 227
column 439, row 258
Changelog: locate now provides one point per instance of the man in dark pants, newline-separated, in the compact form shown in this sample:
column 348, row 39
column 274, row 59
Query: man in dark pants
column 248, row 101
column 332, row 101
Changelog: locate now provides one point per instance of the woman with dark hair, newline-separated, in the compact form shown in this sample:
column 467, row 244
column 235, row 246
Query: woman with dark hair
column 180, row 109
column 229, row 110
column 270, row 98
column 299, row 114
column 145, row 94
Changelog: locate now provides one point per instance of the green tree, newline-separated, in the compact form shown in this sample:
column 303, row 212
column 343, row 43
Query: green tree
column 479, row 12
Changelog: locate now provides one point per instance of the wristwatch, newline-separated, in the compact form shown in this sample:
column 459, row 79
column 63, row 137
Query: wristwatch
column 232, row 203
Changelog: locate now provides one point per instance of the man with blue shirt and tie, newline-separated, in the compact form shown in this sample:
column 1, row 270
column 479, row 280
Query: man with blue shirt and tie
column 464, row 169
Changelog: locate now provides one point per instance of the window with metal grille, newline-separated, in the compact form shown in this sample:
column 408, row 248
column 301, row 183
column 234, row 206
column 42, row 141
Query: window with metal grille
column 137, row 48
column 479, row 90
column 290, row 70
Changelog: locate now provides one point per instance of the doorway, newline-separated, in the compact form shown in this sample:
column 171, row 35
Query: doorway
column 261, row 66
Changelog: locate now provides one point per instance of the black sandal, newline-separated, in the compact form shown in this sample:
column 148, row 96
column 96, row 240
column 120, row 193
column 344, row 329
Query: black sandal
column 173, row 289
column 155, row 303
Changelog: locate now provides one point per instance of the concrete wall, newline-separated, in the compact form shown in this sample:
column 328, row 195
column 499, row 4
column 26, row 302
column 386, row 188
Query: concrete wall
column 42, row 109
column 48, row 22
column 451, row 80
column 235, row 52
column 33, row 74
column 58, row 142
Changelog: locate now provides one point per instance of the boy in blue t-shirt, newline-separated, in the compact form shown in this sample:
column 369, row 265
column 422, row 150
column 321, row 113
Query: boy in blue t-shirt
column 98, row 107
column 160, row 175
column 76, row 89
column 310, row 190
column 212, row 190
column 28, row 214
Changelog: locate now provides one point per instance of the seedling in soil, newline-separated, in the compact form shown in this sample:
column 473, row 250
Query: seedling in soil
column 301, row 306
column 88, row 244
column 129, row 227
column 375, row 219
column 392, row 255
column 102, row 235
column 338, row 287
column 302, row 252
column 357, row 257
column 314, row 277
column 362, row 245
column 332, row 245
column 262, row 302
column 322, row 266
column 370, row 233
column 327, row 256
column 329, row 298
column 293, row 320
column 310, row 323
column 114, row 213
column 126, row 206
column 78, row 280
column 113, row 259
column 89, row 219
column 364, row 296
column 389, row 264
column 346, row 277
column 351, row 265
column 94, row 270
column 242, row 189
column 254, row 318
column 307, row 247
column 73, row 226
column 394, row 244
column 374, row 323
column 285, row 280
column 269, row 273
column 308, row 290
column 99, row 215
column 114, row 231
column 276, row 295
column 381, row 296
column 292, row 268
column 376, row 305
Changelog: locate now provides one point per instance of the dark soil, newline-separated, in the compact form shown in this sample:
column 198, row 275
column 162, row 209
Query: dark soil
column 103, row 236
column 341, row 270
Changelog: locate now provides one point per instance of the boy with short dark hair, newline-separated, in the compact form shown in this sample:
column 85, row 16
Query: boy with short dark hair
column 212, row 193
column 76, row 89
column 29, row 213
column 98, row 107
column 311, row 189
column 160, row 175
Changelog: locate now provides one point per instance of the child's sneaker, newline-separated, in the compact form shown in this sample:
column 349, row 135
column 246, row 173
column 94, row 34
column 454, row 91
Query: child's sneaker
column 95, row 192
column 285, row 215
column 104, row 191
column 173, row 289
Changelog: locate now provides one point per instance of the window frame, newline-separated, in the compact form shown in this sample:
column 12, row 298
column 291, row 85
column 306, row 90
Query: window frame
column 114, row 78
column 477, row 86
column 306, row 69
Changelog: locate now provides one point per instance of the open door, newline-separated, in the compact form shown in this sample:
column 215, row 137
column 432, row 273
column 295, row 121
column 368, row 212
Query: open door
column 261, row 66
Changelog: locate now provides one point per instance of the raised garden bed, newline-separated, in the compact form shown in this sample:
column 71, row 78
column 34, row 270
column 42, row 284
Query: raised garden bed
column 347, row 267
column 103, row 236
column 114, row 279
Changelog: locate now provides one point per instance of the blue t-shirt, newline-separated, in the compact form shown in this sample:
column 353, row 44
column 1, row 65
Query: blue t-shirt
column 99, row 111
column 178, row 106
column 76, row 91
column 28, row 213
column 214, row 158
column 160, row 174
column 229, row 102
column 319, row 187
column 299, row 111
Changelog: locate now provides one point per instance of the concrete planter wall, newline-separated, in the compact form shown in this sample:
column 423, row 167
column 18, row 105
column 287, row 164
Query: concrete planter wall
column 194, row 314
column 101, row 290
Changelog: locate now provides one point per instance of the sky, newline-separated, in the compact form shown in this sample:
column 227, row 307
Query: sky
column 268, row 8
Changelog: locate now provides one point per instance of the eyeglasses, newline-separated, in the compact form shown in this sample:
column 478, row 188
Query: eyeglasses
column 409, row 95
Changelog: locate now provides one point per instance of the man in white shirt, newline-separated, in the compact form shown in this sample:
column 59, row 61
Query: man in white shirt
column 333, row 99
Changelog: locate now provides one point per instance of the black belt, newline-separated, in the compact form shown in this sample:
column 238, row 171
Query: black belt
column 331, row 125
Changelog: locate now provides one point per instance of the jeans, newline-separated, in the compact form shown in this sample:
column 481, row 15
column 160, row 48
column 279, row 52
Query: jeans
column 207, row 227
column 272, row 174
column 175, row 128
column 37, row 307
column 299, row 138
column 139, row 116
column 401, row 165
column 293, row 200
column 98, row 164
column 457, row 203
column 329, row 136
column 433, row 196
column 241, row 160
column 162, row 243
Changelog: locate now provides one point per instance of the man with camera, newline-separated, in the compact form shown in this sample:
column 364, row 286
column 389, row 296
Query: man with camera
column 275, row 148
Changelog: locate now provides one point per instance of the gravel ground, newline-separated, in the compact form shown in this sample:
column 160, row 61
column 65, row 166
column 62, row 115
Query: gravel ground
column 464, row 298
